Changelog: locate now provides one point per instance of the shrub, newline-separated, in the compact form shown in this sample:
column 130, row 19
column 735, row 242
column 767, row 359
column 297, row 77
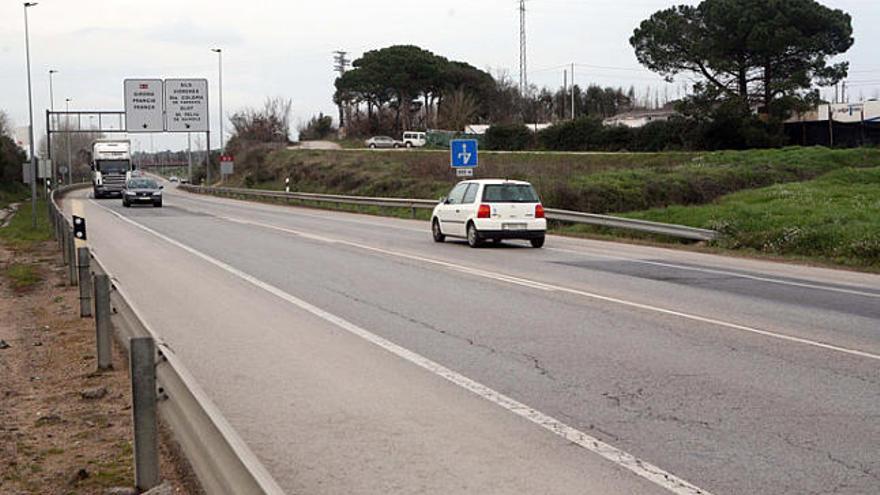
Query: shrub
column 512, row 137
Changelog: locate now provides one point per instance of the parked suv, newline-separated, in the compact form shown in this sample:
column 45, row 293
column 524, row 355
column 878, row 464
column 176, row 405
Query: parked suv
column 414, row 139
column 480, row 210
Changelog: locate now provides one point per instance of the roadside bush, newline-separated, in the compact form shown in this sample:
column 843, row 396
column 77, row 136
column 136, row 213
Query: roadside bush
column 319, row 127
column 511, row 137
column 582, row 134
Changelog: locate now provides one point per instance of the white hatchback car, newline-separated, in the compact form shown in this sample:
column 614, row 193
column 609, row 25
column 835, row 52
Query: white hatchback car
column 479, row 210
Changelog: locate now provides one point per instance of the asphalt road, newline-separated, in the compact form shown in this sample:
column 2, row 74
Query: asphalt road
column 738, row 376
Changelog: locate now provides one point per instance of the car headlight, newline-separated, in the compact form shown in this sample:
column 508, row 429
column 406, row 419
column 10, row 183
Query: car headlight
column 157, row 193
column 129, row 193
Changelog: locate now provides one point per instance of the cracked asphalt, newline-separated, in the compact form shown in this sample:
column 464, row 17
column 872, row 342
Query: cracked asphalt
column 729, row 411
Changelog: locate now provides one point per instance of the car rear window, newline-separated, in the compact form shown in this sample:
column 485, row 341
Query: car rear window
column 510, row 193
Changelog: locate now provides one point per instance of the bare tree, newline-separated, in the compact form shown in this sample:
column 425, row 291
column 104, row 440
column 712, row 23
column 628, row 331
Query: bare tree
column 270, row 124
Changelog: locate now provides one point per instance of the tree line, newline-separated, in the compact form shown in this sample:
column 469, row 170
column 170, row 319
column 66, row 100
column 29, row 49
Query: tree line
column 752, row 62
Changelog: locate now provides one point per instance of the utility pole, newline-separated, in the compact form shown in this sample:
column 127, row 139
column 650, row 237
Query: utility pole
column 27, row 44
column 572, row 91
column 340, row 65
column 564, row 91
column 523, row 76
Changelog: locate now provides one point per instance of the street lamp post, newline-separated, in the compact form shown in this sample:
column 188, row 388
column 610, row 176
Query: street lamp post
column 27, row 45
column 51, row 91
column 219, row 53
column 52, row 108
column 69, row 161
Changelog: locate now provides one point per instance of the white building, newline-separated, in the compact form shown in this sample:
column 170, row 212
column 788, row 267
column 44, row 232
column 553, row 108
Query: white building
column 639, row 118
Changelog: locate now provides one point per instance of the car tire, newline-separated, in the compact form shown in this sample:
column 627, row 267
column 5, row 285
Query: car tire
column 395, row 146
column 157, row 204
column 436, row 233
column 473, row 236
column 126, row 204
column 537, row 242
column 408, row 144
column 373, row 146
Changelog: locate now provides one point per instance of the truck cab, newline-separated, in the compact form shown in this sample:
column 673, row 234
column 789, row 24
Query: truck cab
column 111, row 164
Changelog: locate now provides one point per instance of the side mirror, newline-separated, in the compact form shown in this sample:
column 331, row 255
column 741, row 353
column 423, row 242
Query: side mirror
column 443, row 200
column 161, row 187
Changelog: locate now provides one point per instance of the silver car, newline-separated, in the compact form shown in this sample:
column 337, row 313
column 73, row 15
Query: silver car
column 142, row 190
column 381, row 142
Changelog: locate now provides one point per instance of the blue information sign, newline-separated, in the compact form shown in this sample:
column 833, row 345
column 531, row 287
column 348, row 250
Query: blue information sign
column 463, row 153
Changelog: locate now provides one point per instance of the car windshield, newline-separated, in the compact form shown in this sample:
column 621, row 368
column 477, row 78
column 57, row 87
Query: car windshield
column 142, row 184
column 510, row 193
column 113, row 166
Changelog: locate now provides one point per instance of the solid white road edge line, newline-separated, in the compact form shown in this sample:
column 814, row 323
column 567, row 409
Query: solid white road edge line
column 549, row 287
column 623, row 459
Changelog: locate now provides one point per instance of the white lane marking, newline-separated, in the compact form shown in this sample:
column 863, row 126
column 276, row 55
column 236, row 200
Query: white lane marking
column 623, row 459
column 299, row 212
column 582, row 253
column 577, row 292
column 724, row 272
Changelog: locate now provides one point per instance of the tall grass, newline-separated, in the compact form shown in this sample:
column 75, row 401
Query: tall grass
column 835, row 218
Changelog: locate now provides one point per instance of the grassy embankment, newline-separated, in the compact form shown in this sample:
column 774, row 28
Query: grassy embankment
column 835, row 218
column 598, row 183
column 13, row 193
column 810, row 203
column 20, row 236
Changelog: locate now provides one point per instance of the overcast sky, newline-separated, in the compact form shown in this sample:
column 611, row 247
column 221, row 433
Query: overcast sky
column 284, row 48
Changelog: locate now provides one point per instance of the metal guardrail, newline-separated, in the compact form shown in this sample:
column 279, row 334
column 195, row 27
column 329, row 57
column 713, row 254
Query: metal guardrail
column 221, row 460
column 670, row 230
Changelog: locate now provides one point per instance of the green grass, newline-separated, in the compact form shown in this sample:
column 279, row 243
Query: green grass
column 22, row 277
column 13, row 193
column 20, row 234
column 599, row 183
column 835, row 218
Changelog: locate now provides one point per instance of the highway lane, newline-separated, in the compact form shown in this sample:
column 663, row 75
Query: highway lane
column 729, row 410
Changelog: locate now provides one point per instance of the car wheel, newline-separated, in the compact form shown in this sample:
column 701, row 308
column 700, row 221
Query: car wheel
column 126, row 203
column 436, row 232
column 473, row 237
column 408, row 144
column 157, row 204
column 537, row 242
column 373, row 146
column 395, row 146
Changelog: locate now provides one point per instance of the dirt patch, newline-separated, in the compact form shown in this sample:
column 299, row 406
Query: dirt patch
column 64, row 427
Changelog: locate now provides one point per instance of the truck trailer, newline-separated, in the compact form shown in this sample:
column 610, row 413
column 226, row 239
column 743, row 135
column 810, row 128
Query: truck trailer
column 111, row 163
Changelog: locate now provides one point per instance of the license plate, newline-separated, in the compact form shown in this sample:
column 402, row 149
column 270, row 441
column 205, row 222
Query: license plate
column 513, row 226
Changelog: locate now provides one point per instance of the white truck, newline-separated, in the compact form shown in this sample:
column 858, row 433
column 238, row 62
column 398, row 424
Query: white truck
column 111, row 163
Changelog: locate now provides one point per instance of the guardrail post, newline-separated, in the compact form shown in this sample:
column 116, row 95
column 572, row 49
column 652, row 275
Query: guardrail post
column 143, row 392
column 71, row 257
column 413, row 212
column 102, row 321
column 85, row 282
column 63, row 244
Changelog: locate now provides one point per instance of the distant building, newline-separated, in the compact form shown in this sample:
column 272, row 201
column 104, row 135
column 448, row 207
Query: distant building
column 846, row 113
column 639, row 118
column 480, row 129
